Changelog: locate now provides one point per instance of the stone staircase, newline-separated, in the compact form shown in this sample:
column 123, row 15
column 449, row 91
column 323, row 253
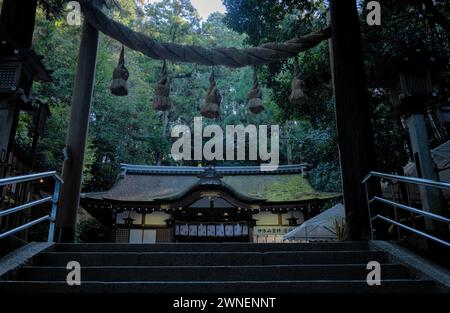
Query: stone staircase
column 213, row 268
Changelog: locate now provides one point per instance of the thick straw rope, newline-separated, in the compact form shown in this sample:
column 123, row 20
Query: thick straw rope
column 231, row 57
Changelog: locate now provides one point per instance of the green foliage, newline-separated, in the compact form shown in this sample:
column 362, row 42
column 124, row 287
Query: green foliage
column 51, row 144
column 91, row 231
column 405, row 25
column 267, row 20
column 52, row 8
column 326, row 176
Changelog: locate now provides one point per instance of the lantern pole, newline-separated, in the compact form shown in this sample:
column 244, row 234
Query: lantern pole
column 411, row 92
column 430, row 197
column 72, row 173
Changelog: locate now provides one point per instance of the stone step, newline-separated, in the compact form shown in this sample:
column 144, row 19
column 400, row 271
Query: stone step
column 214, row 273
column 234, row 287
column 211, row 247
column 209, row 258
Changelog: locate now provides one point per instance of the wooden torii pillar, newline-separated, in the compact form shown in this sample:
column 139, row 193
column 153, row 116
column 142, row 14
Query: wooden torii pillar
column 355, row 138
column 72, row 174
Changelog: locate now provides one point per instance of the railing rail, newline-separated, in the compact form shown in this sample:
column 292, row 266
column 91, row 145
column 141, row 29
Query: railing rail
column 29, row 177
column 54, row 198
column 411, row 209
column 410, row 180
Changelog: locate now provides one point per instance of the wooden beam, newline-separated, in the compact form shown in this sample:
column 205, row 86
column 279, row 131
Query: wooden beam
column 355, row 139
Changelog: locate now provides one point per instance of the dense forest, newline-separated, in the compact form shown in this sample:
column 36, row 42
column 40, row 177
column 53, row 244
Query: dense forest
column 128, row 129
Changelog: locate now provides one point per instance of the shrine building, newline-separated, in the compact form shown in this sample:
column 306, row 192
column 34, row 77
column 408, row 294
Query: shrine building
column 149, row 204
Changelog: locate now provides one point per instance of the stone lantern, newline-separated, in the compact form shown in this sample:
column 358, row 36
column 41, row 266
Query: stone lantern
column 411, row 93
column 19, row 67
column 412, row 86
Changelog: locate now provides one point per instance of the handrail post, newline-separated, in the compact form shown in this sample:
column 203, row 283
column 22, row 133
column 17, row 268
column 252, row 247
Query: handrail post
column 369, row 210
column 51, row 230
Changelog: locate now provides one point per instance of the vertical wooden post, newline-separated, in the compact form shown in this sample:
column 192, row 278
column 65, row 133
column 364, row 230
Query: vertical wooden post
column 77, row 134
column 355, row 139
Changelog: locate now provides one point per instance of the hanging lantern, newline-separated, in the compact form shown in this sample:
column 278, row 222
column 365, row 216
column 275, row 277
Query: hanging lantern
column 212, row 100
column 297, row 96
column 254, row 96
column 119, row 86
column 161, row 101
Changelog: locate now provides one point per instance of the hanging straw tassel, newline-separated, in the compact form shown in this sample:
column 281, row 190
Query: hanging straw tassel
column 297, row 96
column 161, row 101
column 119, row 86
column 254, row 96
column 212, row 100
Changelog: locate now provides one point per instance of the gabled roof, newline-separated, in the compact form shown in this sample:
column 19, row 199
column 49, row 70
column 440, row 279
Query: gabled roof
column 139, row 183
column 210, row 179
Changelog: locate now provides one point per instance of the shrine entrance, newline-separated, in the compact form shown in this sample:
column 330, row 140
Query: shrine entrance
column 212, row 219
column 213, row 211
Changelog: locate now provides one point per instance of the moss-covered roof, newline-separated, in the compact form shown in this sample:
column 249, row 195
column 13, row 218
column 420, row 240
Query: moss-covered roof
column 276, row 188
column 156, row 183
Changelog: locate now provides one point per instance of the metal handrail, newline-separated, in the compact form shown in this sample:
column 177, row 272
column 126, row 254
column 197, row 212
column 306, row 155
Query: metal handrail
column 421, row 233
column 412, row 180
column 411, row 209
column 53, row 199
column 25, row 226
column 25, row 206
column 29, row 177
